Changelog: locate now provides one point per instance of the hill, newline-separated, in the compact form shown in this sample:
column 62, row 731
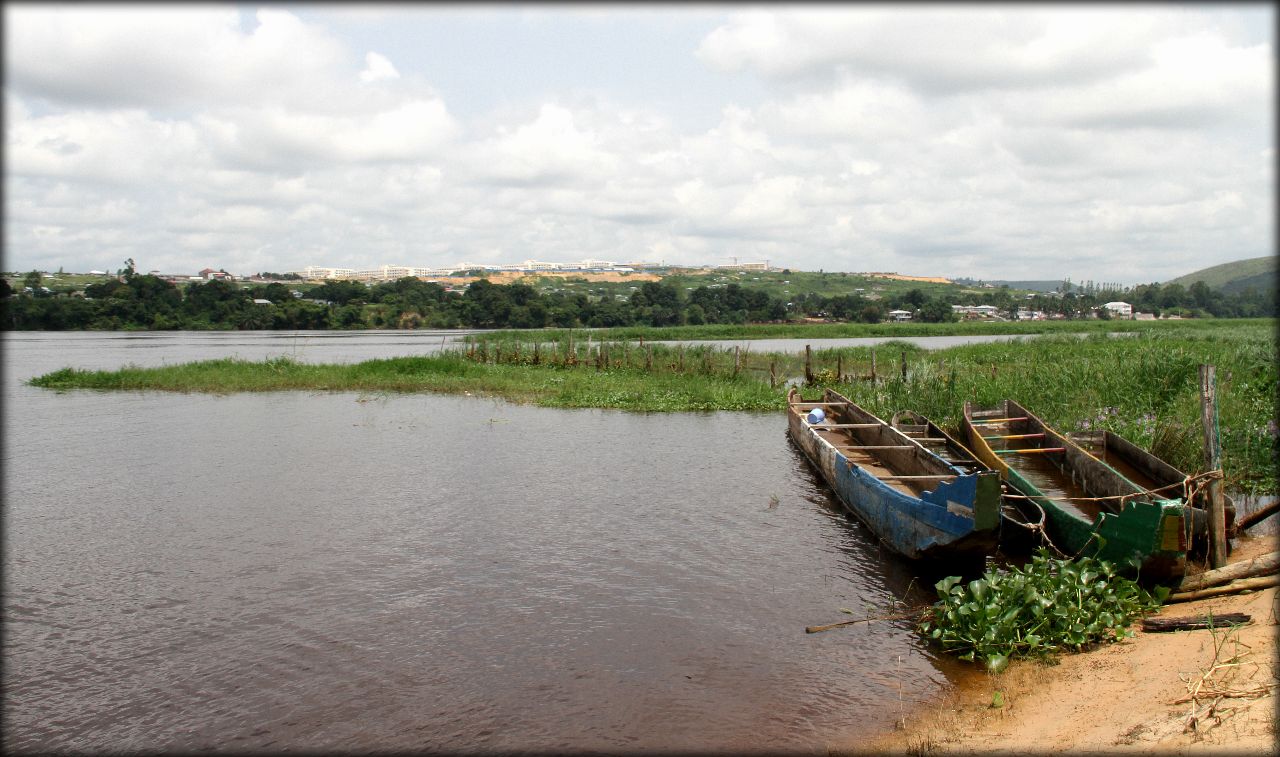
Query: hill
column 1233, row 278
column 1030, row 286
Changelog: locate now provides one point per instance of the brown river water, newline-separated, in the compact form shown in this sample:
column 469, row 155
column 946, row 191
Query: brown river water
column 338, row 571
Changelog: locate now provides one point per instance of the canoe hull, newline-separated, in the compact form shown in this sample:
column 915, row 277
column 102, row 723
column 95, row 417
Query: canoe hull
column 1146, row 528
column 939, row 523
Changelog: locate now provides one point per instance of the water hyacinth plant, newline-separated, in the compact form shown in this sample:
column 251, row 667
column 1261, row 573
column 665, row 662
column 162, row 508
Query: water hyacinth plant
column 1047, row 606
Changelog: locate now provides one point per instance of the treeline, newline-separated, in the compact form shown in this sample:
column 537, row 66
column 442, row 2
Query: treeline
column 147, row 302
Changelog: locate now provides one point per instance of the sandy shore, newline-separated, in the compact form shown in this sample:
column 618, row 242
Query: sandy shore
column 1119, row 698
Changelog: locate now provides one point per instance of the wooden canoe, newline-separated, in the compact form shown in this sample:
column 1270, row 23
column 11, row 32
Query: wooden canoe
column 1089, row 507
column 916, row 503
column 1150, row 472
column 1015, row 535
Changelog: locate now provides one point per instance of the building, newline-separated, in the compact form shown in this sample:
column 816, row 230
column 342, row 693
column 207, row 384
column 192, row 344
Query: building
column 899, row 315
column 1119, row 309
column 975, row 311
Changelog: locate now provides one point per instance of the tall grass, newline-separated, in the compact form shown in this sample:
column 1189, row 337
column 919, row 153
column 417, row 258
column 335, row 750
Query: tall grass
column 1144, row 386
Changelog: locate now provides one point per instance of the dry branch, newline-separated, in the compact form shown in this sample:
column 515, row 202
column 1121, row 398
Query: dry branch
column 1158, row 625
column 1235, row 587
column 1255, row 517
column 1258, row 566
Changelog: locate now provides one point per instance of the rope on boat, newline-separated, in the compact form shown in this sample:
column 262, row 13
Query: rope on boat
column 1200, row 480
column 1039, row 530
column 1191, row 486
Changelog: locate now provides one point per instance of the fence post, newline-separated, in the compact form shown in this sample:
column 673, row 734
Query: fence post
column 680, row 358
column 904, row 365
column 873, row 365
column 839, row 368
column 773, row 373
column 737, row 361
column 1213, row 462
column 808, row 365
column 648, row 358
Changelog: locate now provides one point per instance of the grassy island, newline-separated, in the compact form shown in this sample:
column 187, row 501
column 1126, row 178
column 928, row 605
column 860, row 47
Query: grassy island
column 1143, row 385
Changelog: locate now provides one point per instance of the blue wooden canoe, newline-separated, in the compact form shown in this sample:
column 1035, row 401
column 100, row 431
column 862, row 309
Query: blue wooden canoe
column 916, row 503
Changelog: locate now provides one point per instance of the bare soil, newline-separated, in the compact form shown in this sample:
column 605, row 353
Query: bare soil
column 1123, row 697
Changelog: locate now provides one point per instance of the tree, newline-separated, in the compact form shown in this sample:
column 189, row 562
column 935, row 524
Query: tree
column 32, row 281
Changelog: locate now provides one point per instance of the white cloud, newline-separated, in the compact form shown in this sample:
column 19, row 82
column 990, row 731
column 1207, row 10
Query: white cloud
column 377, row 68
column 1036, row 141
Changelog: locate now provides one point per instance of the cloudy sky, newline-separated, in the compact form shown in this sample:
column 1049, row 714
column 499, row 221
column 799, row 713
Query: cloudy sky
column 1125, row 144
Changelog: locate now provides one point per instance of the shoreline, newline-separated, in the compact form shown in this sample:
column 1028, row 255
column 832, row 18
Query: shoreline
column 1118, row 698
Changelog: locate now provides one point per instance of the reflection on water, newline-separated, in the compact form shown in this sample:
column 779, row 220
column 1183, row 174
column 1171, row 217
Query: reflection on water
column 342, row 571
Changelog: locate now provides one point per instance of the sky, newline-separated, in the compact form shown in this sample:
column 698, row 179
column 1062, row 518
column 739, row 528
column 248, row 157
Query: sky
column 1116, row 143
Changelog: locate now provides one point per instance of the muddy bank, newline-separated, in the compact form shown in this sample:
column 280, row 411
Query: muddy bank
column 1120, row 698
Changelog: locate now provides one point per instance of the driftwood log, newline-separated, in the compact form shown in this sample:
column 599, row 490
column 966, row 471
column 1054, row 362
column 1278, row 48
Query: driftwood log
column 1258, row 566
column 1235, row 587
column 1254, row 517
column 1159, row 625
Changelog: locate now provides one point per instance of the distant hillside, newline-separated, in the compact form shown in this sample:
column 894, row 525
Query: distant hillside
column 1232, row 278
column 1031, row 286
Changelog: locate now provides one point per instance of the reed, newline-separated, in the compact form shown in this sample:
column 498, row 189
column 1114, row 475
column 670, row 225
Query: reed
column 1143, row 386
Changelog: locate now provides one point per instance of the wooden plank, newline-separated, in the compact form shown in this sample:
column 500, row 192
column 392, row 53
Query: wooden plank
column 848, row 425
column 873, row 446
column 1015, row 436
column 918, row 478
column 1029, row 451
column 1193, row 623
column 996, row 420
column 797, row 403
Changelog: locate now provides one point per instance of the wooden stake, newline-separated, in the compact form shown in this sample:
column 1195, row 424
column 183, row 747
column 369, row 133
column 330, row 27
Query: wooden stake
column 737, row 361
column 773, row 373
column 839, row 367
column 648, row 357
column 808, row 365
column 1213, row 462
column 873, row 366
column 904, row 366
column 680, row 358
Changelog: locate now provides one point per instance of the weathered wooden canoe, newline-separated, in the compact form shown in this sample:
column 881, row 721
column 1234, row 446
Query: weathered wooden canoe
column 1089, row 507
column 1016, row 535
column 918, row 505
column 1150, row 472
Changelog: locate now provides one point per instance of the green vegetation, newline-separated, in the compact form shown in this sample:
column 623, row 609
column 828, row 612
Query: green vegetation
column 134, row 301
column 1143, row 385
column 1044, row 607
column 1231, row 278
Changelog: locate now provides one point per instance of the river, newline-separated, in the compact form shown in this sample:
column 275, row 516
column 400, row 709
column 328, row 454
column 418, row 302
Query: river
column 341, row 571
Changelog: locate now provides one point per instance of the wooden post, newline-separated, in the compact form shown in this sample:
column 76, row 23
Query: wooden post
column 497, row 354
column 993, row 371
column 873, row 366
column 648, row 357
column 808, row 365
column 680, row 358
column 839, row 367
column 737, row 361
column 536, row 358
column 773, row 373
column 904, row 366
column 1213, row 462
column 626, row 354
